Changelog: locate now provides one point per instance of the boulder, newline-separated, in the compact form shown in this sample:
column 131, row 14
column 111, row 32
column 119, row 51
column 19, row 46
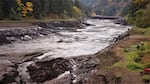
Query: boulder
column 48, row 70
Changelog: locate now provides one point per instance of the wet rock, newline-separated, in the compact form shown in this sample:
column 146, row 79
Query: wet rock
column 11, row 35
column 29, row 57
column 48, row 70
column 82, row 67
column 4, row 40
column 60, row 41
column 26, row 38
column 62, row 79
column 9, row 76
column 8, row 71
column 87, row 24
column 121, row 21
column 39, row 29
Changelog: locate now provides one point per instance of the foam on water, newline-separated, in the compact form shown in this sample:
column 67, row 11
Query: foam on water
column 84, row 42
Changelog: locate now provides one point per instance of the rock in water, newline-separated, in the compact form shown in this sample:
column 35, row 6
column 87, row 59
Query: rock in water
column 47, row 70
column 3, row 40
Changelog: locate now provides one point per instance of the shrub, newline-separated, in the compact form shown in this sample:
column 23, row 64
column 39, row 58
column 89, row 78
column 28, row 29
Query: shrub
column 146, row 78
column 134, row 66
column 118, row 64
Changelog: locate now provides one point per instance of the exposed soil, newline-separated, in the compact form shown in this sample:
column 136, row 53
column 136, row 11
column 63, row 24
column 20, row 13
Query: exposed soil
column 118, row 75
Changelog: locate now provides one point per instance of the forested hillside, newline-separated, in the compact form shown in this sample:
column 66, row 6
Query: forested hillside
column 139, row 13
column 136, row 11
column 20, row 9
column 108, row 7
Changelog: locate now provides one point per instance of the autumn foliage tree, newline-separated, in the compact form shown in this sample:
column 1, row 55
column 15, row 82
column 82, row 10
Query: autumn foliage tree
column 77, row 11
column 22, row 9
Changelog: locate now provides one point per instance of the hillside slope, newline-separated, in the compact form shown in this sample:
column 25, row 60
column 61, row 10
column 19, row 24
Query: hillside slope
column 107, row 7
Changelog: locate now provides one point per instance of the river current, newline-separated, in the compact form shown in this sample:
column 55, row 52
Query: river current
column 85, row 41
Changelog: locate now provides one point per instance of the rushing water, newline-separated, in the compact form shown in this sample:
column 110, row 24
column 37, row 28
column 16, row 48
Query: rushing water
column 83, row 42
column 89, row 40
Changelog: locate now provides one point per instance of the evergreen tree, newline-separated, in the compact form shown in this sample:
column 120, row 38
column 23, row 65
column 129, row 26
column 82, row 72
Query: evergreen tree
column 69, row 7
column 77, row 3
column 6, row 7
column 37, row 9
column 41, row 8
column 1, row 11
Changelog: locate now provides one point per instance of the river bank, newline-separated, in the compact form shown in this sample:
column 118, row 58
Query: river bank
column 62, row 57
column 112, row 68
column 27, row 30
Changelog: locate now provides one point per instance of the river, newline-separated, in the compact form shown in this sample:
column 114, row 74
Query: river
column 69, row 44
column 82, row 42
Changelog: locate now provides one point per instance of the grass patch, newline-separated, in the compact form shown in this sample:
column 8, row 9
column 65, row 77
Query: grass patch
column 143, row 31
column 136, row 56
column 118, row 64
column 134, row 65
column 131, row 56
column 146, row 78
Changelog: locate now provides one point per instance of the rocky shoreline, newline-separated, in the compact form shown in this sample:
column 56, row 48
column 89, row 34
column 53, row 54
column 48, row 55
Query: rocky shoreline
column 47, row 71
column 80, row 69
column 36, row 30
column 10, row 70
column 26, row 68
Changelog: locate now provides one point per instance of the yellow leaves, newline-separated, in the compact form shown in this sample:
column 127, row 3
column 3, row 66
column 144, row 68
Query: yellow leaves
column 29, row 4
column 24, row 8
column 77, row 11
column 18, row 1
column 30, row 9
column 27, row 9
column 24, row 14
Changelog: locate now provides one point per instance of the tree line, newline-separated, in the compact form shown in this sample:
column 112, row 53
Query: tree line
column 139, row 13
column 38, row 9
